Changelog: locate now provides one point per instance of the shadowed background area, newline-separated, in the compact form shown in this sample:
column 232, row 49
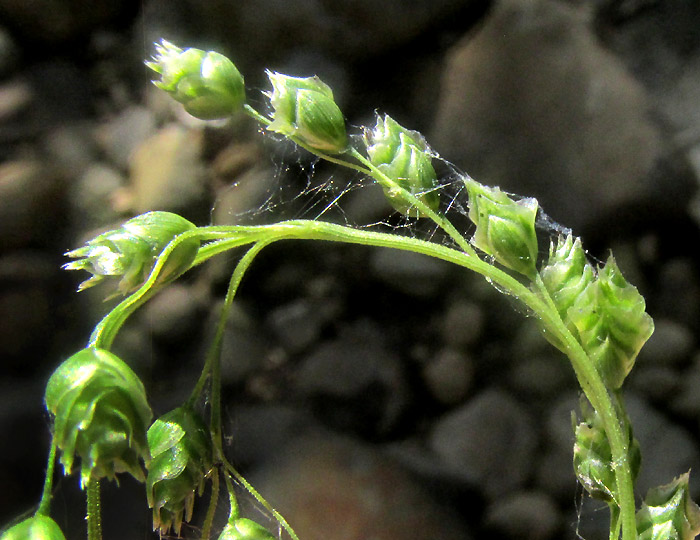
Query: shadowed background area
column 368, row 394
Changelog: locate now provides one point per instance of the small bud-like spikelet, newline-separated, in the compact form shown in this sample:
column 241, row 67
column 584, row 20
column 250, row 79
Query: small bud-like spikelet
column 668, row 513
column 505, row 228
column 593, row 458
column 34, row 528
column 181, row 456
column 100, row 415
column 611, row 323
column 404, row 157
column 130, row 252
column 206, row 83
column 245, row 529
column 567, row 273
column 565, row 276
column 304, row 109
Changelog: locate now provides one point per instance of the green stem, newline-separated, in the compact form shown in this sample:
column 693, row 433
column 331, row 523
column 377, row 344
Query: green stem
column 211, row 510
column 595, row 390
column 106, row 330
column 265, row 121
column 234, row 511
column 45, row 503
column 94, row 512
column 440, row 220
column 250, row 489
column 614, row 521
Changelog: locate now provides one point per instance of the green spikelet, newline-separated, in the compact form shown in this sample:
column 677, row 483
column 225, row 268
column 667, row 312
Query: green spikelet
column 304, row 108
column 593, row 458
column 668, row 513
column 505, row 228
column 34, row 528
column 181, row 456
column 207, row 83
column 245, row 529
column 100, row 415
column 128, row 253
column 403, row 156
column 611, row 323
column 567, row 273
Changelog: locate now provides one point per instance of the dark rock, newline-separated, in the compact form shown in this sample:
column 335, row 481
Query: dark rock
column 261, row 432
column 463, row 324
column 174, row 315
column 408, row 272
column 526, row 514
column 30, row 204
column 121, row 136
column 93, row 197
column 667, row 448
column 9, row 53
column 531, row 102
column 55, row 22
column 299, row 324
column 489, row 442
column 670, row 344
column 449, row 376
column 355, row 382
column 337, row 488
column 167, row 172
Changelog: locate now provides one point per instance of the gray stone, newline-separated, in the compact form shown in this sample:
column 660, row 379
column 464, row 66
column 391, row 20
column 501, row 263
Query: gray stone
column 8, row 52
column 262, row 431
column 71, row 148
column 15, row 98
column 121, row 136
column 489, row 441
column 174, row 315
column 678, row 292
column 528, row 515
column 351, row 29
column 94, row 196
column 670, row 344
column 246, row 194
column 408, row 272
column 299, row 324
column 167, row 172
column 26, row 289
column 52, row 22
column 686, row 399
column 337, row 488
column 532, row 102
column 449, row 376
column 554, row 467
column 462, row 324
column 30, row 203
column 667, row 448
column 243, row 348
column 542, row 375
column 355, row 380
column 658, row 383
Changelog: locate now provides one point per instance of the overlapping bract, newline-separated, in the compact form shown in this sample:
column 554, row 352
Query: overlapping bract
column 505, row 228
column 100, row 415
column 181, row 456
column 604, row 312
column 130, row 251
column 668, row 513
column 207, row 83
column 245, row 529
column 403, row 156
column 304, row 108
column 37, row 527
column 593, row 462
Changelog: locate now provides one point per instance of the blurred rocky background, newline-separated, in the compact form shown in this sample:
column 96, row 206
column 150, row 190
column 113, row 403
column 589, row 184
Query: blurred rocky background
column 368, row 394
